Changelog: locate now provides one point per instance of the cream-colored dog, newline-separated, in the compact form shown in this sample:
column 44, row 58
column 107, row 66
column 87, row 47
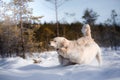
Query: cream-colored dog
column 81, row 51
column 58, row 43
column 86, row 39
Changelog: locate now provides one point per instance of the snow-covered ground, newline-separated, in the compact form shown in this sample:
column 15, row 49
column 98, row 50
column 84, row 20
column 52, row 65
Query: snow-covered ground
column 50, row 69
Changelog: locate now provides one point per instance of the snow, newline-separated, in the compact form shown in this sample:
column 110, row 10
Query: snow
column 50, row 69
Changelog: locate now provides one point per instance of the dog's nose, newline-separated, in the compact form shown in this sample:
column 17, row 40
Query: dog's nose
column 57, row 49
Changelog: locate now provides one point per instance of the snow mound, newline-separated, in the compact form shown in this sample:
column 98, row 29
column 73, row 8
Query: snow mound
column 50, row 69
column 8, row 63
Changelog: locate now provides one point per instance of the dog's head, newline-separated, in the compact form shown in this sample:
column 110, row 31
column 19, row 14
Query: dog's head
column 58, row 42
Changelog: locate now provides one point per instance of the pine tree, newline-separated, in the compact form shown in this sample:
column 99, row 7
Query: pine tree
column 90, row 16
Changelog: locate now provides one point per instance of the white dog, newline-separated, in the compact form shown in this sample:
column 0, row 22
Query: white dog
column 57, row 43
column 81, row 51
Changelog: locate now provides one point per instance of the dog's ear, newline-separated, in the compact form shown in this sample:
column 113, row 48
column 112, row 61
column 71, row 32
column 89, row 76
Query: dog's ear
column 65, row 43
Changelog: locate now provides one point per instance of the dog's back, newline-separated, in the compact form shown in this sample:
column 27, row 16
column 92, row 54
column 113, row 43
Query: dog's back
column 90, row 52
column 82, row 54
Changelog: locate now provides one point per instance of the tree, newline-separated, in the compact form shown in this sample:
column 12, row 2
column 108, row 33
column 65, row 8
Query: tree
column 35, row 19
column 57, row 4
column 113, row 17
column 6, row 21
column 21, row 10
column 90, row 16
column 114, row 24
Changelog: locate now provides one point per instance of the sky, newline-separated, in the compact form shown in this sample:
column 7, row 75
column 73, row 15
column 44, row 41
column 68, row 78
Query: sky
column 75, row 7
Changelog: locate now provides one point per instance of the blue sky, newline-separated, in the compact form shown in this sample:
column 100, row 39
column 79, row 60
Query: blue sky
column 102, row 7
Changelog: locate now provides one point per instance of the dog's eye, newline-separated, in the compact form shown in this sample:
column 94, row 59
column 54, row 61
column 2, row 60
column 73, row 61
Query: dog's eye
column 55, row 41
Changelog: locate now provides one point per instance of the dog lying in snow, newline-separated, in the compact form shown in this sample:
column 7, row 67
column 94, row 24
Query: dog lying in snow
column 80, row 51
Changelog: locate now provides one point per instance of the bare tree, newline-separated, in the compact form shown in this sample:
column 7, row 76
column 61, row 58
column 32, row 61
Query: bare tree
column 113, row 17
column 57, row 4
column 114, row 23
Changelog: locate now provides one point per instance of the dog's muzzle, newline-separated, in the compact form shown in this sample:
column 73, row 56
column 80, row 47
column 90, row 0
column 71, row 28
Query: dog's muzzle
column 57, row 49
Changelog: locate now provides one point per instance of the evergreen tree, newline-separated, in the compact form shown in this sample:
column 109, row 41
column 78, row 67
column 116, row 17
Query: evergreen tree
column 90, row 16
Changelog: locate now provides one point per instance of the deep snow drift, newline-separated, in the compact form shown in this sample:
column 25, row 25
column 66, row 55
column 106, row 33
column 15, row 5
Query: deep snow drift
column 50, row 69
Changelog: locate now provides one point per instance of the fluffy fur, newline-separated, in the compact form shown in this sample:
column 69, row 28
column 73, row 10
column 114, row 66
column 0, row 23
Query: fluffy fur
column 81, row 51
column 81, row 54
column 58, row 43
column 86, row 30
column 86, row 39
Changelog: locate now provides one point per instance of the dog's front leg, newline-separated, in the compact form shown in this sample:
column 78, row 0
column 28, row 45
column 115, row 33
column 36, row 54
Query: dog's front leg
column 60, row 58
column 63, row 61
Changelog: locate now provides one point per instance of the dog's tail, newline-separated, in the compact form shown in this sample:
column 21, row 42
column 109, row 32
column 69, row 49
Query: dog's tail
column 99, row 58
column 86, row 30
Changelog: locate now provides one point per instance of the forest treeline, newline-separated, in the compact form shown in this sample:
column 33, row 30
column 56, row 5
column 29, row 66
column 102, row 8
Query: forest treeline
column 37, row 36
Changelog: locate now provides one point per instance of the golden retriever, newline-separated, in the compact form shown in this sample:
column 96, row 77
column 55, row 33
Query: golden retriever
column 81, row 51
